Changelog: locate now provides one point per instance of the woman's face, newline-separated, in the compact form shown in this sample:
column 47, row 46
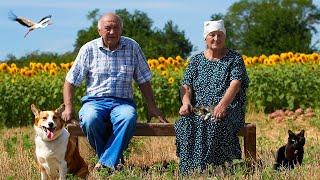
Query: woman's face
column 215, row 40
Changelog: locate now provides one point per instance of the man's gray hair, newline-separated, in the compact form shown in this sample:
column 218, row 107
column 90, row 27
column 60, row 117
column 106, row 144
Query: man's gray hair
column 108, row 14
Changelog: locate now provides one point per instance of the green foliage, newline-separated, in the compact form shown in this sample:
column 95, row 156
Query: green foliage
column 20, row 92
column 284, row 86
column 274, row 87
column 154, row 43
column 45, row 92
column 172, row 42
column 271, row 26
column 166, row 95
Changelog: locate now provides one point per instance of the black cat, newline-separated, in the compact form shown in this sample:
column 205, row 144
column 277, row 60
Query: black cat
column 291, row 154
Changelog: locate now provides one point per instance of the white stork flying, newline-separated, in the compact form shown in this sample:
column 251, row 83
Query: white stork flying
column 44, row 22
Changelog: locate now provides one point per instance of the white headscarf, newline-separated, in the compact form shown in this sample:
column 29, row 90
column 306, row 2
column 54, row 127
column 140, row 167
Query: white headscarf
column 209, row 26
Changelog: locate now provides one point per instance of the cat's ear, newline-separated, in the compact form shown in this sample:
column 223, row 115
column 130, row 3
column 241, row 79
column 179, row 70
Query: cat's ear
column 290, row 133
column 301, row 132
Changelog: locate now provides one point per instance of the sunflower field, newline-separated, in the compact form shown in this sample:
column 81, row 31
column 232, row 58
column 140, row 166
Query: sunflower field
column 288, row 81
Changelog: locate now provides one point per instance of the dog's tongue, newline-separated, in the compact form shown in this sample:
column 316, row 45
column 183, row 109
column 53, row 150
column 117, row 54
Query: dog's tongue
column 50, row 135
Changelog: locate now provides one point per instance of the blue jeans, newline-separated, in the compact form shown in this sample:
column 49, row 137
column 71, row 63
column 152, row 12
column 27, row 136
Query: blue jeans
column 96, row 114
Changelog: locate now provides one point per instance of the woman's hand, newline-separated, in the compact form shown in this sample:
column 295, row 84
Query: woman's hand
column 185, row 109
column 220, row 111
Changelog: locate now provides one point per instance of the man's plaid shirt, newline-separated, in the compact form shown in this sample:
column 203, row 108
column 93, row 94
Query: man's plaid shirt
column 110, row 73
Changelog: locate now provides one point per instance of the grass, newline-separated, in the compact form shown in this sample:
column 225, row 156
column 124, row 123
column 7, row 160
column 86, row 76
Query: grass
column 155, row 158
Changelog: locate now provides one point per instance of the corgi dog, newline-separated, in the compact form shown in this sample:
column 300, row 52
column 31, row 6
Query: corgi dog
column 56, row 151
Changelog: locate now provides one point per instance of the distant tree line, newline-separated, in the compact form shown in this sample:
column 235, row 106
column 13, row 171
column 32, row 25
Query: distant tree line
column 167, row 42
column 253, row 28
column 272, row 26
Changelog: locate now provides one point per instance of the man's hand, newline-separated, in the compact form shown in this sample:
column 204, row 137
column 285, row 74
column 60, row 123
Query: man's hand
column 185, row 109
column 68, row 91
column 67, row 114
column 155, row 112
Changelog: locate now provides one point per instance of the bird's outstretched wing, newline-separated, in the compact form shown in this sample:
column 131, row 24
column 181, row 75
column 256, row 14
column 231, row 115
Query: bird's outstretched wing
column 45, row 19
column 23, row 21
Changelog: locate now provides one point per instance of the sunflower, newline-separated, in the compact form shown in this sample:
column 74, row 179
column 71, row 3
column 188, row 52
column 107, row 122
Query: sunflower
column 290, row 54
column 13, row 65
column 70, row 64
column 4, row 67
column 165, row 73
column 150, row 63
column 161, row 67
column 53, row 66
column 284, row 56
column 46, row 67
column 171, row 80
column 39, row 66
column 23, row 71
column 161, row 60
column 13, row 70
column 179, row 58
column 274, row 58
column 262, row 58
column 32, row 65
column 29, row 73
column 248, row 61
column 255, row 60
column 314, row 57
column 53, row 72
column 33, row 72
column 152, row 66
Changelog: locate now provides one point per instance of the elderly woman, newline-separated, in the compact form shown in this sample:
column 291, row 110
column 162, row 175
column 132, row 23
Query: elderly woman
column 215, row 79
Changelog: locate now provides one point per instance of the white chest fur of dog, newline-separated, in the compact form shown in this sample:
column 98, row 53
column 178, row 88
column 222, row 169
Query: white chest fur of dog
column 51, row 155
column 57, row 153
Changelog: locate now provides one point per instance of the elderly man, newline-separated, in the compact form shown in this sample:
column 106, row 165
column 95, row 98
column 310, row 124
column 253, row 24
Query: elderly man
column 109, row 64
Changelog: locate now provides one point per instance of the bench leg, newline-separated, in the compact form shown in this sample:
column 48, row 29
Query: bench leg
column 250, row 143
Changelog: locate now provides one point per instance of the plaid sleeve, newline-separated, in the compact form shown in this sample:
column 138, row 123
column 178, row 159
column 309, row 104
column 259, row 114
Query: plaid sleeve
column 142, row 71
column 79, row 68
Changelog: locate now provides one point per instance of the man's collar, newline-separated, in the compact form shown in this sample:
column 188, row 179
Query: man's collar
column 122, row 43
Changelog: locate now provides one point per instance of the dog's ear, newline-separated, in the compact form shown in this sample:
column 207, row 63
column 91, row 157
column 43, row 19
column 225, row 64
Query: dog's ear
column 35, row 110
column 60, row 109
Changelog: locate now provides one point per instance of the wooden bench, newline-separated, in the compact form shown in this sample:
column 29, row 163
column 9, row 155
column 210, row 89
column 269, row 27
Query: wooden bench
column 167, row 129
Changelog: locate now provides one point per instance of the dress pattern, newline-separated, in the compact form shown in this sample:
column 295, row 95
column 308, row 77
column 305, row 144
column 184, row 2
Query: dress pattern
column 201, row 143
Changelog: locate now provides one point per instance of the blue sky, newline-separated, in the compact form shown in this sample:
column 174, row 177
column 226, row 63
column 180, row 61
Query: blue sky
column 69, row 16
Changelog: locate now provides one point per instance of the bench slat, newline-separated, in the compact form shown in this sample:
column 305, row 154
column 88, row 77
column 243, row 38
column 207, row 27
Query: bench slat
column 149, row 129
column 167, row 129
column 142, row 129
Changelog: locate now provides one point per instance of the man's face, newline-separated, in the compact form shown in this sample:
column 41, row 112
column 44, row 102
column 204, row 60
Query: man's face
column 110, row 31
